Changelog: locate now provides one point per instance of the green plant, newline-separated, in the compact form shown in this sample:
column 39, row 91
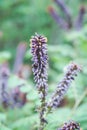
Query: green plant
column 39, row 68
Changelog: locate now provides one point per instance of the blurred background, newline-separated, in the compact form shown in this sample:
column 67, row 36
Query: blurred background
column 64, row 23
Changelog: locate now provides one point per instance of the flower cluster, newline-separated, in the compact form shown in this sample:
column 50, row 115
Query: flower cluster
column 80, row 18
column 64, row 8
column 39, row 68
column 71, row 71
column 4, row 75
column 62, row 23
column 10, row 97
column 71, row 125
column 40, row 63
column 67, row 21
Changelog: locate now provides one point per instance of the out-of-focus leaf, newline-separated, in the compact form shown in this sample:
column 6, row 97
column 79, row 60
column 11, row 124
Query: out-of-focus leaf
column 58, row 117
column 5, row 55
column 3, row 127
column 27, row 121
column 32, row 95
column 15, row 81
column 2, row 117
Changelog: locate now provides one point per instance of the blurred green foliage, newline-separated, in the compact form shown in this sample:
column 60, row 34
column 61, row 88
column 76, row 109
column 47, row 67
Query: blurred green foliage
column 19, row 19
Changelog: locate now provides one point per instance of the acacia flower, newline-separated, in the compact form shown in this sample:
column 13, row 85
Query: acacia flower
column 71, row 125
column 71, row 72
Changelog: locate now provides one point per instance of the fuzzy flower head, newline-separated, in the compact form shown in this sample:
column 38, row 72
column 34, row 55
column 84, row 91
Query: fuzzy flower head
column 71, row 125
column 40, row 62
column 71, row 72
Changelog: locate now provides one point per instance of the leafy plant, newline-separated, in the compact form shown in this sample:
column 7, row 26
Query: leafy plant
column 39, row 67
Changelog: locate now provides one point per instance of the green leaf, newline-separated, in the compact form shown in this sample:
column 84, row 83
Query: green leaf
column 5, row 55
column 3, row 127
column 2, row 117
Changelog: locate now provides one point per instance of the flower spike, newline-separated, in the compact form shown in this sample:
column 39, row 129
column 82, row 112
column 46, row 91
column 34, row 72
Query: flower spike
column 71, row 125
column 40, row 62
column 39, row 68
column 71, row 72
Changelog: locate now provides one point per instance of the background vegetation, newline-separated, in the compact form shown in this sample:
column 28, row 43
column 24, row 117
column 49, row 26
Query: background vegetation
column 19, row 20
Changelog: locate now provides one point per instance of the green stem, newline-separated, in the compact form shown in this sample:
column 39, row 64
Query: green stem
column 43, row 111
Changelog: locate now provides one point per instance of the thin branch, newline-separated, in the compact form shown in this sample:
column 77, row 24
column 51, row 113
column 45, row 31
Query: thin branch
column 80, row 100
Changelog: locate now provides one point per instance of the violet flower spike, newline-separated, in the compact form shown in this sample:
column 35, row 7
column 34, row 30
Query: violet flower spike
column 66, row 11
column 4, row 94
column 39, row 68
column 40, row 62
column 71, row 72
column 71, row 125
column 62, row 23
column 80, row 18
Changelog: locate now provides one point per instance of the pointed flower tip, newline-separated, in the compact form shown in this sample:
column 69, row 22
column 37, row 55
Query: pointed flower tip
column 38, row 39
column 73, row 67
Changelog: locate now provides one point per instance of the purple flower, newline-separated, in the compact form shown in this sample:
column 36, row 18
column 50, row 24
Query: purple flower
column 39, row 68
column 71, row 125
column 40, row 63
column 70, row 73
column 63, row 7
column 62, row 23
column 80, row 18
column 4, row 76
